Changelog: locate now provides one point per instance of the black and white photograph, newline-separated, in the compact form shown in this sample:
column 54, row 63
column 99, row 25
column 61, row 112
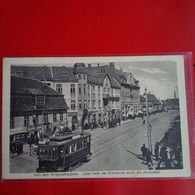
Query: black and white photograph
column 95, row 117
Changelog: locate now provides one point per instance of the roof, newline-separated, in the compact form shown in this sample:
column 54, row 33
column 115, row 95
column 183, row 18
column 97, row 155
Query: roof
column 37, row 72
column 152, row 98
column 64, row 74
column 28, row 86
column 24, row 91
column 98, row 70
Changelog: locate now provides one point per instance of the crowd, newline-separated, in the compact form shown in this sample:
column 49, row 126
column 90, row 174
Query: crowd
column 167, row 157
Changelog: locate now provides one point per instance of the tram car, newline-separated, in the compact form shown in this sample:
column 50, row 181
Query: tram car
column 63, row 153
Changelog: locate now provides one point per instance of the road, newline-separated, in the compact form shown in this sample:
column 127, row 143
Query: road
column 112, row 149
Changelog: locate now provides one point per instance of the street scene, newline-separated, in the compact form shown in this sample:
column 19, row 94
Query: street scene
column 94, row 117
column 116, row 148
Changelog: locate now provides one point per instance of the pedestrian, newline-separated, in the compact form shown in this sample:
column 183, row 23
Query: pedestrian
column 144, row 121
column 178, row 155
column 156, row 151
column 149, row 158
column 163, row 156
column 73, row 126
column 143, row 149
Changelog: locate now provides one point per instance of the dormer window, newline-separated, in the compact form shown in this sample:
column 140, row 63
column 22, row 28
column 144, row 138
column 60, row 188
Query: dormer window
column 79, row 76
column 39, row 101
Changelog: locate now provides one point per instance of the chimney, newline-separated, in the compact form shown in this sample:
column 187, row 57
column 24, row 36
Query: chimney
column 121, row 69
column 98, row 65
column 89, row 65
column 111, row 64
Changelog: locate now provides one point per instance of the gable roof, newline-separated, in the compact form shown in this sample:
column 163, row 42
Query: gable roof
column 24, row 91
column 152, row 98
column 28, row 86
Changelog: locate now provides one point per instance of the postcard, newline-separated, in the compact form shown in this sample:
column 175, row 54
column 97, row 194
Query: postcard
column 95, row 117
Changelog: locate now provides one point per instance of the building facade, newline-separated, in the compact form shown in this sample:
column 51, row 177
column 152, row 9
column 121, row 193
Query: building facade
column 35, row 108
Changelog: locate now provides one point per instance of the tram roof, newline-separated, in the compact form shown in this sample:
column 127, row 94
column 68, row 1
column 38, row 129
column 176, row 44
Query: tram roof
column 61, row 140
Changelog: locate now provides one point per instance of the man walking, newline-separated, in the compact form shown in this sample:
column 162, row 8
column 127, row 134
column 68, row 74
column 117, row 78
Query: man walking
column 143, row 149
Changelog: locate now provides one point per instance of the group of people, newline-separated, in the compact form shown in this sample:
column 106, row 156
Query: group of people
column 168, row 157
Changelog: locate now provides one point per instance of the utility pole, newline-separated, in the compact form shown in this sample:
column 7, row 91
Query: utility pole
column 149, row 127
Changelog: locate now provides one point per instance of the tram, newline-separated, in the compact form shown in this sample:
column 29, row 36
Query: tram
column 63, row 153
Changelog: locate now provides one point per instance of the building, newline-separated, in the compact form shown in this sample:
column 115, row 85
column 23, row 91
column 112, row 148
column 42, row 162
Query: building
column 35, row 108
column 59, row 78
column 98, row 95
column 129, row 88
column 130, row 94
column 154, row 105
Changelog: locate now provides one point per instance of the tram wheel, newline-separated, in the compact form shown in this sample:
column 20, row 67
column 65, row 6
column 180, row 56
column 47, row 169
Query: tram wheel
column 33, row 153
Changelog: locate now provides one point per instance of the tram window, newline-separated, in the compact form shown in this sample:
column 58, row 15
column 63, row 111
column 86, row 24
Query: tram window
column 61, row 150
column 53, row 152
column 68, row 151
column 85, row 142
column 73, row 147
column 79, row 145
column 49, row 151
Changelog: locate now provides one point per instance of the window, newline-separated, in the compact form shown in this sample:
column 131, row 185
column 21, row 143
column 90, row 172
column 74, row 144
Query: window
column 106, row 81
column 12, row 122
column 99, row 104
column 79, row 88
column 104, row 90
column 59, row 88
column 80, row 104
column 98, row 96
column 26, row 121
column 61, row 117
column 79, row 76
column 72, row 88
column 84, row 88
column 72, row 104
column 39, row 101
column 98, row 90
column 93, row 88
column 54, row 118
column 45, row 118
column 68, row 150
column 35, row 120
column 84, row 104
column 89, row 104
column 94, row 104
column 84, row 76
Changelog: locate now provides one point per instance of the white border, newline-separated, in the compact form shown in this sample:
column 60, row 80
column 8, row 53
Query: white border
column 179, row 59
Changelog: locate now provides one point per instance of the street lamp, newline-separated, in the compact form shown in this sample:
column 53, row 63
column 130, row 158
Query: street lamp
column 149, row 127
